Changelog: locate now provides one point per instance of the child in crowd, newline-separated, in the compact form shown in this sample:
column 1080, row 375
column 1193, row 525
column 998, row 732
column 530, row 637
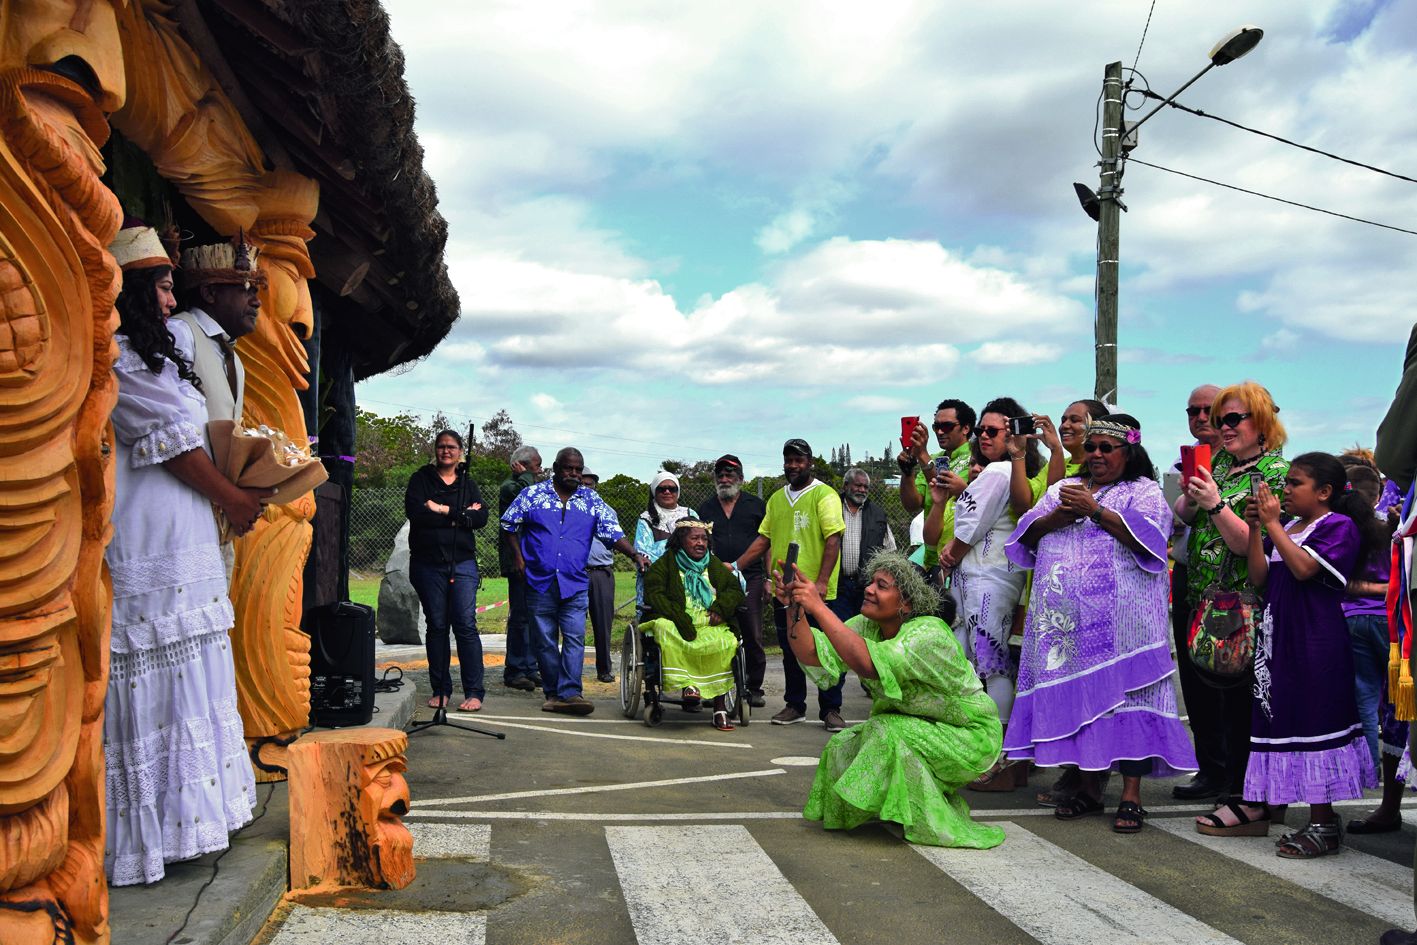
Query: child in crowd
column 1306, row 741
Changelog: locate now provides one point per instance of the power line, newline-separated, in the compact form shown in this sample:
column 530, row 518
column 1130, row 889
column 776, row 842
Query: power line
column 1143, row 35
column 1256, row 193
column 1283, row 140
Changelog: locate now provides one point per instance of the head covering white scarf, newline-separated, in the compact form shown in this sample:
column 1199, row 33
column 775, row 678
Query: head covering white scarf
column 667, row 518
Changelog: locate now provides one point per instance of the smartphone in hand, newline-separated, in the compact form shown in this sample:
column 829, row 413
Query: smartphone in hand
column 907, row 431
column 788, row 563
column 1194, row 458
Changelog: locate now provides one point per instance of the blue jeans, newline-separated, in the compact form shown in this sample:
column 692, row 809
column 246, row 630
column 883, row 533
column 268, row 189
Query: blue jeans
column 1368, row 634
column 448, row 594
column 521, row 658
column 550, row 613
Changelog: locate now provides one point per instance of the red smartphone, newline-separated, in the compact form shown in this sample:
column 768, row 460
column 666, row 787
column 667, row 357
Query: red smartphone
column 1194, row 458
column 907, row 430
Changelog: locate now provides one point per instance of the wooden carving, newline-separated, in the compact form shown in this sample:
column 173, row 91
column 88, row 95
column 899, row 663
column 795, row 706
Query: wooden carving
column 347, row 793
column 57, row 286
column 272, row 653
column 180, row 117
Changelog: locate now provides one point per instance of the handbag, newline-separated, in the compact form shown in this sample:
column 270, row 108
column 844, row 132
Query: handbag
column 1221, row 642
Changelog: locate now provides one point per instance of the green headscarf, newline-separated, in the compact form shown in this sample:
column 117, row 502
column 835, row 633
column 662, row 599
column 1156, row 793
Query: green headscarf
column 696, row 584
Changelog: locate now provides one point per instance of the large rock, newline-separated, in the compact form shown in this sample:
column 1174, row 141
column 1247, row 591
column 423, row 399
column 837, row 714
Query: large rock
column 399, row 617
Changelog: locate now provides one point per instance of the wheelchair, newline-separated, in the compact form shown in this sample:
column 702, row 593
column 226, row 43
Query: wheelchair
column 640, row 679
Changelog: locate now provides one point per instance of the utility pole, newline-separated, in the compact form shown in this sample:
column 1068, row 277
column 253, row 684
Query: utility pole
column 1108, row 235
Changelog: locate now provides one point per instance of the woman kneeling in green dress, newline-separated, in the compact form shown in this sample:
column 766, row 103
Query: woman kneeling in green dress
column 690, row 599
column 932, row 728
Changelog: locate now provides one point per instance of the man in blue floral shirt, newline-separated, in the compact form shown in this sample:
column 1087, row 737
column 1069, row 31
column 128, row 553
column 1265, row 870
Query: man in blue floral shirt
column 548, row 529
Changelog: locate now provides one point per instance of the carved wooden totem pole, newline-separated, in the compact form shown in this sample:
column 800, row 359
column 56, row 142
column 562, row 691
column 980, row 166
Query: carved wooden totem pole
column 60, row 70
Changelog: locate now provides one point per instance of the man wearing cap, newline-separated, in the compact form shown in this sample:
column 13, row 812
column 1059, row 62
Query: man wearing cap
column 808, row 512
column 735, row 516
column 600, row 571
column 520, row 670
column 221, row 284
column 549, row 529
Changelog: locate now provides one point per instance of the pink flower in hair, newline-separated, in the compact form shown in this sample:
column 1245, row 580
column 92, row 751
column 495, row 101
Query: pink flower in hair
column 1134, row 437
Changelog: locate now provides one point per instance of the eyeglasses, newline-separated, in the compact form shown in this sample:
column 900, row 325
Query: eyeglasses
column 990, row 432
column 448, row 446
column 1103, row 448
column 1231, row 420
column 1197, row 411
column 667, row 488
column 944, row 426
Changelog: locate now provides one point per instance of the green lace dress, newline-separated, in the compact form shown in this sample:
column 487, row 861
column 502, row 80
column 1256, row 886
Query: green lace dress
column 932, row 730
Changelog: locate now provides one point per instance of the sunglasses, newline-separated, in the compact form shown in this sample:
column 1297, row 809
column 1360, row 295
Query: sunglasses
column 1197, row 411
column 944, row 426
column 990, row 432
column 1103, row 448
column 1231, row 420
column 667, row 489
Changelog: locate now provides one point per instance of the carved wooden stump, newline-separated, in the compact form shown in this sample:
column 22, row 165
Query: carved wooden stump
column 347, row 793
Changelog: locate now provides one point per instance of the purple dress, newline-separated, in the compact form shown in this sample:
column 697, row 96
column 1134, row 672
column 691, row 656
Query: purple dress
column 1306, row 742
column 1094, row 684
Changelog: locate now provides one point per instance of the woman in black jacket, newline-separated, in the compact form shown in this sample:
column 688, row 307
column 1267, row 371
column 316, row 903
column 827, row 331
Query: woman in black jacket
column 444, row 507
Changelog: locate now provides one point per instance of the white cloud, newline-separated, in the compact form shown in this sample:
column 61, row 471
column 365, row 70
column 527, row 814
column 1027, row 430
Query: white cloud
column 1016, row 352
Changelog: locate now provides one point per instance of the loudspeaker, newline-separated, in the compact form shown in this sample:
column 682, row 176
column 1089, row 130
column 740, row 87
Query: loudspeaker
column 341, row 664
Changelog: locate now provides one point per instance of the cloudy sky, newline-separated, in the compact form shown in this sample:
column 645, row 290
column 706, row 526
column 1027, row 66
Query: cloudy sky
column 684, row 229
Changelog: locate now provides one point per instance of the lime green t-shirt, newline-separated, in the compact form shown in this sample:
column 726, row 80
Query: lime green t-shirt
column 810, row 521
column 959, row 465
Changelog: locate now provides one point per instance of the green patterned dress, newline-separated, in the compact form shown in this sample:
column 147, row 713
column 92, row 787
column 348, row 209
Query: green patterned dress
column 932, row 730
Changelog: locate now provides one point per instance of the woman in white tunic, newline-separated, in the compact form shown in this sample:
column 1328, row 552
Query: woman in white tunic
column 178, row 779
column 985, row 584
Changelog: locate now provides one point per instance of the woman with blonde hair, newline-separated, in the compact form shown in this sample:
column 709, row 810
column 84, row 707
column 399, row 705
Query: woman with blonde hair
column 1213, row 504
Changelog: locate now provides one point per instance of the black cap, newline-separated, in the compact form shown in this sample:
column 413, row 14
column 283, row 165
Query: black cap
column 797, row 445
column 728, row 461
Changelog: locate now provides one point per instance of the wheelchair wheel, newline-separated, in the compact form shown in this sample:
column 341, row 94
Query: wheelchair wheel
column 741, row 692
column 654, row 714
column 632, row 671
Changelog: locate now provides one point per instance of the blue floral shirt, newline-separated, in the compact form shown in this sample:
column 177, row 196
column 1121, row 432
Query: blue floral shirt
column 556, row 536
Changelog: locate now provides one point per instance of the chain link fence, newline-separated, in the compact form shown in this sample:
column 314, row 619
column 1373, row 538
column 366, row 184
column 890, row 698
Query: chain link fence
column 376, row 515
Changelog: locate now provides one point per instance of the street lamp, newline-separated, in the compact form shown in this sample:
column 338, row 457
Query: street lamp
column 1108, row 198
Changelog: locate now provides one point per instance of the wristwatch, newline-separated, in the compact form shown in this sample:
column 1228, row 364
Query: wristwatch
column 1096, row 515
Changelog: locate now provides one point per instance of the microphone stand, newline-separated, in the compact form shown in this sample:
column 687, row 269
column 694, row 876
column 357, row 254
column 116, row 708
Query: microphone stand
column 440, row 714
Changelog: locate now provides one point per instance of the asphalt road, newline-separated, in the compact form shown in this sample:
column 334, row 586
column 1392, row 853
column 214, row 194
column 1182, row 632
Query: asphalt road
column 602, row 830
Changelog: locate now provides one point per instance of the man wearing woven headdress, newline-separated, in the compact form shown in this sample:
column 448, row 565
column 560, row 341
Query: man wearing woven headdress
column 221, row 285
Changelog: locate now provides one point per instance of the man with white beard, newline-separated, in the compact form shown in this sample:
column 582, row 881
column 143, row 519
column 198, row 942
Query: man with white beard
column 736, row 516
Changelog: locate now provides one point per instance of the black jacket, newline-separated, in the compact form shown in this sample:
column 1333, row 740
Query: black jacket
column 442, row 539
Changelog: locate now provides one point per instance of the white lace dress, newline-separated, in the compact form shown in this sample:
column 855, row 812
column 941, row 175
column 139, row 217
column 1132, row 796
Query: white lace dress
column 178, row 780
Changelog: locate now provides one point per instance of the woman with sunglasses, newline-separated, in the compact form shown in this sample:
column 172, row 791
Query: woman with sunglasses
column 1094, row 686
column 1213, row 504
column 444, row 508
column 986, row 586
column 656, row 523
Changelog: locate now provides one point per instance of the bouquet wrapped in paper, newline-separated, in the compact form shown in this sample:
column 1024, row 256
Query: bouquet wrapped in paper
column 263, row 458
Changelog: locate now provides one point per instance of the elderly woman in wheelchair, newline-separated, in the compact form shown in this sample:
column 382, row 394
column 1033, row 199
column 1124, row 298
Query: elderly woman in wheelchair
column 690, row 600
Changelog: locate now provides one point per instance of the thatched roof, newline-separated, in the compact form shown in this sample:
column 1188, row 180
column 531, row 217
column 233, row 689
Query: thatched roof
column 323, row 86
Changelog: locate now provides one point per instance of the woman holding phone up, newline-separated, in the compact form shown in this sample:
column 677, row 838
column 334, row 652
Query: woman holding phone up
column 1213, row 504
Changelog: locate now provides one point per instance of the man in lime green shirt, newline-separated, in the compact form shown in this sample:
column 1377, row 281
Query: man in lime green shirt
column 953, row 426
column 808, row 512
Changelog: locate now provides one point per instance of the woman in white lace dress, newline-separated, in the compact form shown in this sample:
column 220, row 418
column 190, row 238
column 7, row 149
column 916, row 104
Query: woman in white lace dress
column 178, row 780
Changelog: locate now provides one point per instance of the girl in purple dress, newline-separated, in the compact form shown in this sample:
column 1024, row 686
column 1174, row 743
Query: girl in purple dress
column 1306, row 741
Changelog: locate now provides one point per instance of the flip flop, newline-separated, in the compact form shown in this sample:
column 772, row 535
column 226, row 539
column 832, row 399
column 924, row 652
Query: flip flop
column 438, row 702
column 720, row 721
column 472, row 704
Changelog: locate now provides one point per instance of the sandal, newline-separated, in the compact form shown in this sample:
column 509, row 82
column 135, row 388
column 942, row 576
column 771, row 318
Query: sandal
column 1002, row 776
column 438, row 702
column 1246, row 826
column 470, row 704
column 1313, row 841
column 720, row 721
column 691, row 697
column 1369, row 825
column 1079, row 805
column 1130, row 818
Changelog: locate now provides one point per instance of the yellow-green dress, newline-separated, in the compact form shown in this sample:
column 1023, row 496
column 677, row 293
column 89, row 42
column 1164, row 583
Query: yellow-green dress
column 932, row 729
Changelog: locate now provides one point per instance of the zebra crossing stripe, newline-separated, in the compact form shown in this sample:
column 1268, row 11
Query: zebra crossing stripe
column 753, row 902
column 307, row 925
column 1367, row 883
column 1077, row 902
column 451, row 841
